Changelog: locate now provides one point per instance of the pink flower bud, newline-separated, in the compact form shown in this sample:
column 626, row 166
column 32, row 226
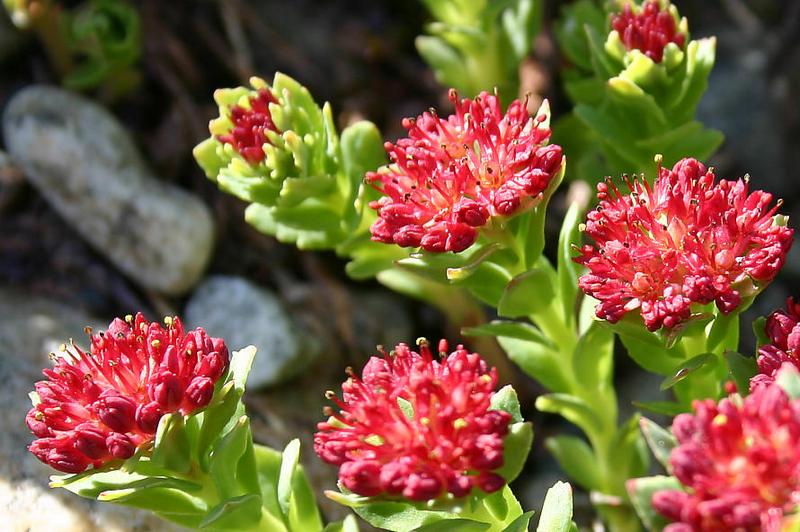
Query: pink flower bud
column 116, row 412
column 148, row 415
column 120, row 446
column 200, row 391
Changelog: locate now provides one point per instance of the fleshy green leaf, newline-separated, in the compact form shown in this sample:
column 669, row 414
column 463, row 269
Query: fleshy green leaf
column 594, row 357
column 505, row 399
column 788, row 378
column 659, row 439
column 349, row 524
column 516, row 447
column 557, row 510
column 572, row 408
column 641, row 492
column 537, row 361
column 520, row 524
column 702, row 362
column 510, row 329
column 577, row 460
column 568, row 271
column 528, row 293
column 741, row 369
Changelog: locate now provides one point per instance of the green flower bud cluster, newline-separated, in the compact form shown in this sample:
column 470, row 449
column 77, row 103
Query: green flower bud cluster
column 635, row 95
column 275, row 148
column 476, row 45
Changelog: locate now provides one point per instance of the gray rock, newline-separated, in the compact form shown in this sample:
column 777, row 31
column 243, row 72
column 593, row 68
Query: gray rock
column 83, row 161
column 29, row 330
column 242, row 313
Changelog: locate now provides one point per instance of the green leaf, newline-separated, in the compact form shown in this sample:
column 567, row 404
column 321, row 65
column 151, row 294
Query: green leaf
column 724, row 333
column 641, row 492
column 572, row 408
column 454, row 525
column 557, row 510
column 594, row 357
column 268, row 465
column 224, row 404
column 516, row 447
column 527, row 293
column 504, row 399
column 172, row 449
column 577, row 460
column 760, row 331
column 225, row 457
column 349, row 524
column 520, row 524
column 665, row 408
column 242, row 513
column 788, row 378
column 289, row 460
column 537, row 361
column 446, row 62
column 741, row 369
column 303, row 510
column 510, row 329
column 704, row 362
column 660, row 440
column 628, row 454
column 568, row 271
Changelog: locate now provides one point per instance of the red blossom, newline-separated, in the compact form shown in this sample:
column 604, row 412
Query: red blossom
column 250, row 125
column 450, row 176
column 416, row 427
column 682, row 241
column 649, row 30
column 739, row 463
column 783, row 330
column 99, row 406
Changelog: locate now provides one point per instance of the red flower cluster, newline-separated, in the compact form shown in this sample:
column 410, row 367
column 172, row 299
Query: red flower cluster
column 101, row 406
column 250, row 125
column 450, row 176
column 783, row 329
column 739, row 462
column 684, row 240
column 416, row 427
column 648, row 31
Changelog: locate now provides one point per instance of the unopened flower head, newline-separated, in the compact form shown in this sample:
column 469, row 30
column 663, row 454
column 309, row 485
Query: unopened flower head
column 783, row 330
column 100, row 406
column 249, row 125
column 648, row 28
column 415, row 427
column 684, row 240
column 738, row 462
column 450, row 176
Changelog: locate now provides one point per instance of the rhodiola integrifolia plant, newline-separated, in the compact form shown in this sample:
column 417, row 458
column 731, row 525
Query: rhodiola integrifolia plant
column 453, row 213
column 636, row 80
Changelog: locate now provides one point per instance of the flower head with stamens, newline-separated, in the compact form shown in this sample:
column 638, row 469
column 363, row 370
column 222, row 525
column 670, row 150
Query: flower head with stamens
column 247, row 133
column 684, row 240
column 415, row 427
column 783, row 329
column 450, row 176
column 739, row 463
column 649, row 28
column 101, row 406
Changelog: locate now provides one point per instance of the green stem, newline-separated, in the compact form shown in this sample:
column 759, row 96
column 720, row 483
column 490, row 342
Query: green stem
column 620, row 518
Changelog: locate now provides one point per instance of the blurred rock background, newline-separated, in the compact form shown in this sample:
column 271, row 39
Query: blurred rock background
column 309, row 320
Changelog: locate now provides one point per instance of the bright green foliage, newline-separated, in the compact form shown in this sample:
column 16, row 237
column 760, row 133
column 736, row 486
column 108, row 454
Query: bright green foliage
column 628, row 107
column 304, row 191
column 104, row 36
column 476, row 45
column 204, row 471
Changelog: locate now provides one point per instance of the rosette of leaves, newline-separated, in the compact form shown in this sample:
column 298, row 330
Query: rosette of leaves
column 204, row 471
column 629, row 106
column 304, row 188
column 104, row 37
column 476, row 45
column 478, row 511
